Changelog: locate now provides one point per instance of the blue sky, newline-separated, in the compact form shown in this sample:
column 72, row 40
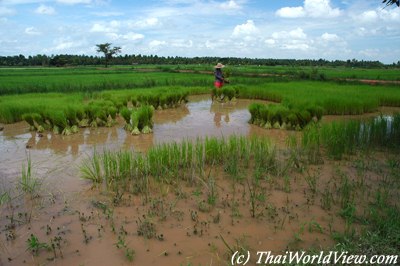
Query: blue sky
column 300, row 29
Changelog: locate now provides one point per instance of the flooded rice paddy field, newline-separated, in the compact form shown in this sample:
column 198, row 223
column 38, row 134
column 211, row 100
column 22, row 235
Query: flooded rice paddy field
column 79, row 225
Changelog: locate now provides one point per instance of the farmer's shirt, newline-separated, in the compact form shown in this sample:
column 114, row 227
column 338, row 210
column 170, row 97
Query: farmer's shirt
column 218, row 75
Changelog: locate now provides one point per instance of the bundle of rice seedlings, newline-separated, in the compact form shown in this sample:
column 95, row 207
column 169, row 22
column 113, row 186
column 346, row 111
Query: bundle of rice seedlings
column 304, row 117
column 154, row 100
column 134, row 101
column 292, row 120
column 74, row 129
column 143, row 99
column 184, row 97
column 134, row 123
column 80, row 112
column 228, row 92
column 71, row 115
column 56, row 130
column 126, row 114
column 254, row 110
column 93, row 124
column 110, row 121
column 147, row 130
column 58, row 120
column 163, row 102
column 170, row 99
column 100, row 122
column 145, row 115
column 264, row 114
column 67, row 131
column 268, row 125
column 39, row 122
column 315, row 111
column 27, row 117
column 83, row 122
column 112, row 111
column 276, row 125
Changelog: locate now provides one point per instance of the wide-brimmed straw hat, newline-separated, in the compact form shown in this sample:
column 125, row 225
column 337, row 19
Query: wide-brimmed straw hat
column 219, row 65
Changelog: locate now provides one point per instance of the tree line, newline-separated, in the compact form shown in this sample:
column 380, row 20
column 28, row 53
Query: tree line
column 86, row 60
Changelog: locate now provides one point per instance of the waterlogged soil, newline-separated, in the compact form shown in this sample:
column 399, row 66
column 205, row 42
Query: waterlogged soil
column 94, row 226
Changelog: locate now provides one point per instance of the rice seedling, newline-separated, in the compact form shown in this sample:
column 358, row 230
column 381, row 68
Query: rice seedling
column 253, row 198
column 311, row 143
column 286, row 184
column 146, row 227
column 34, row 245
column 29, row 119
column 91, row 169
column 28, row 183
column 311, row 180
column 4, row 198
column 346, row 194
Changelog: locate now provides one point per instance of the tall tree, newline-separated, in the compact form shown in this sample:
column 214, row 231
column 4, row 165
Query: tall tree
column 108, row 51
column 391, row 2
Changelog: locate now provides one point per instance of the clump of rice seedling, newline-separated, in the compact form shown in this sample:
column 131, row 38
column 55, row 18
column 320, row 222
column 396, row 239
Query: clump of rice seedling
column 146, row 228
column 71, row 115
column 145, row 115
column 28, row 183
column 311, row 142
column 39, row 122
column 91, row 169
column 126, row 114
column 254, row 110
column 230, row 93
column 34, row 245
column 138, row 120
column 134, row 123
column 29, row 119
column 58, row 120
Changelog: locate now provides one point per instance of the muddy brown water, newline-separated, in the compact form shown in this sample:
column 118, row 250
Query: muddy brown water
column 189, row 236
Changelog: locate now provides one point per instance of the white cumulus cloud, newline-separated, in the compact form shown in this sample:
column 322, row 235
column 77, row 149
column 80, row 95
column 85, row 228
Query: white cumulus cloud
column 328, row 37
column 374, row 16
column 293, row 40
column 293, row 34
column 291, row 12
column 310, row 8
column 246, row 29
column 32, row 31
column 45, row 10
column 131, row 36
column 230, row 5
column 144, row 23
column 181, row 43
column 156, row 43
column 5, row 11
column 74, row 2
column 112, row 26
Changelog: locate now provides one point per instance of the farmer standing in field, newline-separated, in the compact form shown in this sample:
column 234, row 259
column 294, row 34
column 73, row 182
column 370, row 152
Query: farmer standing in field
column 219, row 76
